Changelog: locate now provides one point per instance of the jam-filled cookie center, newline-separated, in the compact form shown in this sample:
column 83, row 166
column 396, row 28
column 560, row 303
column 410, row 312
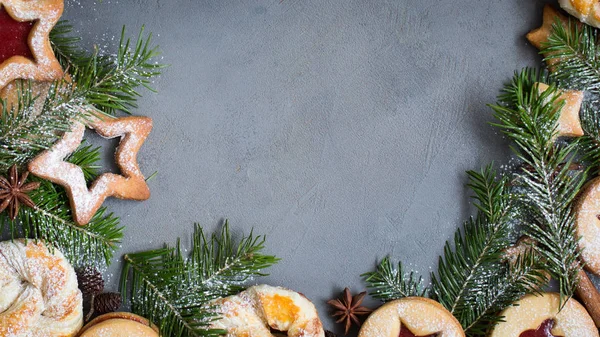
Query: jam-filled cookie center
column 14, row 36
column 544, row 330
column 405, row 332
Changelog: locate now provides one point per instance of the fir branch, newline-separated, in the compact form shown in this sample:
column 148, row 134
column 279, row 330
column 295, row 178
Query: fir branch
column 573, row 52
column 590, row 141
column 51, row 221
column 530, row 119
column 473, row 282
column 66, row 46
column 467, row 266
column 24, row 131
column 173, row 291
column 98, row 84
column 86, row 157
column 505, row 286
column 108, row 83
column 387, row 283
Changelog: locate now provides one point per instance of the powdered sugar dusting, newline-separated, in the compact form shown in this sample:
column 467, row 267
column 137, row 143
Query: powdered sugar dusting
column 420, row 315
column 258, row 309
column 45, row 66
column 588, row 225
column 47, row 301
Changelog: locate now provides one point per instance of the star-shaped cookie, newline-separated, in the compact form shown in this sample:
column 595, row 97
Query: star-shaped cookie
column 540, row 35
column 130, row 184
column 25, row 50
column 569, row 124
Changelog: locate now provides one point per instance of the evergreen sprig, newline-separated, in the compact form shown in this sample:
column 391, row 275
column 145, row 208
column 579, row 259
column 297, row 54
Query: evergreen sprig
column 530, row 119
column 473, row 281
column 109, row 83
column 25, row 131
column 387, row 283
column 173, row 291
column 96, row 84
column 51, row 219
column 572, row 51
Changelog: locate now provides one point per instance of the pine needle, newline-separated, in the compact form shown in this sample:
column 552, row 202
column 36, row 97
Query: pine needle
column 387, row 283
column 530, row 119
column 172, row 290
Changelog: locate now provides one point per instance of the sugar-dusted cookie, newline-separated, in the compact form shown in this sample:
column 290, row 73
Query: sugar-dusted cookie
column 539, row 36
column 533, row 315
column 119, row 324
column 411, row 316
column 587, row 11
column 569, row 124
column 261, row 309
column 39, row 296
column 587, row 224
column 130, row 184
column 25, row 50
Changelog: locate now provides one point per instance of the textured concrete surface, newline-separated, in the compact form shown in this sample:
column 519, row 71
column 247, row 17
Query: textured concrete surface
column 341, row 129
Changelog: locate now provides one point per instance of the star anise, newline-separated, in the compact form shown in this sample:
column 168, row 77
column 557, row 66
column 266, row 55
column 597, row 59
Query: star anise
column 13, row 192
column 348, row 308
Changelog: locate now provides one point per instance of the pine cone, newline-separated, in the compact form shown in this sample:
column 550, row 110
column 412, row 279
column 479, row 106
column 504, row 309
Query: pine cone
column 107, row 302
column 329, row 334
column 90, row 280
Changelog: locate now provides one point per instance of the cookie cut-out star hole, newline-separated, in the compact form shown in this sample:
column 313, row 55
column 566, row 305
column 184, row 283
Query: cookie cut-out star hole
column 130, row 184
column 106, row 149
column 405, row 332
column 14, row 37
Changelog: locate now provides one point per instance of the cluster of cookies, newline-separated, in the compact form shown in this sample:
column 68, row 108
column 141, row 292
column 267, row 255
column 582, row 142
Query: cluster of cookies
column 39, row 294
column 26, row 54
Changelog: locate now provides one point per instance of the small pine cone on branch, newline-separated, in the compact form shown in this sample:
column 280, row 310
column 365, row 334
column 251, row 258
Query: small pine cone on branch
column 107, row 302
column 90, row 280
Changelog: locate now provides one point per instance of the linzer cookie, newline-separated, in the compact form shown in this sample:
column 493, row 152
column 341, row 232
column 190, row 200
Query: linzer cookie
column 25, row 50
column 119, row 324
column 541, row 316
column 130, row 184
column 587, row 225
column 410, row 317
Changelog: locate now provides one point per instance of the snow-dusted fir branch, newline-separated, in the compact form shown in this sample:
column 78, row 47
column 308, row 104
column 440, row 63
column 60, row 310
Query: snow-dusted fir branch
column 530, row 119
column 572, row 51
column 108, row 82
column 388, row 283
column 173, row 291
column 51, row 219
column 95, row 84
column 473, row 281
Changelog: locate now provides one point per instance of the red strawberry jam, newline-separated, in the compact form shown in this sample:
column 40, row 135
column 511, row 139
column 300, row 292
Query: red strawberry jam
column 544, row 330
column 13, row 37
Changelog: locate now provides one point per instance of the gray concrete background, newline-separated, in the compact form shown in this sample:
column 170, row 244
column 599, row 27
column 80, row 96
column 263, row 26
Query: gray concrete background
column 341, row 129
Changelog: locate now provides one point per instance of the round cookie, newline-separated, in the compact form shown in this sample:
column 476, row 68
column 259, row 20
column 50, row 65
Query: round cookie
column 411, row 316
column 587, row 225
column 119, row 324
column 533, row 313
